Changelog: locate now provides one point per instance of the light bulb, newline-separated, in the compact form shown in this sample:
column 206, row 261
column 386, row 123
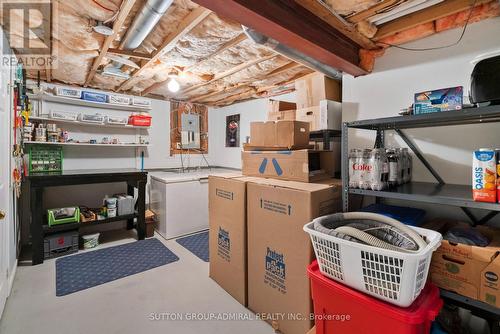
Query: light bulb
column 173, row 86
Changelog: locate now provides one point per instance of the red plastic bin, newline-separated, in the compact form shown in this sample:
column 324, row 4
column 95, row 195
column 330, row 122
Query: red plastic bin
column 339, row 309
column 139, row 120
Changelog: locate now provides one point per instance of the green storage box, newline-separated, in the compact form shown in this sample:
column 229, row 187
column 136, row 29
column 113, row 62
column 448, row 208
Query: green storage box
column 63, row 216
column 45, row 158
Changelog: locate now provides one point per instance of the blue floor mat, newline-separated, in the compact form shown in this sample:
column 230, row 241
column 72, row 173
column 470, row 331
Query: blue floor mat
column 79, row 272
column 196, row 244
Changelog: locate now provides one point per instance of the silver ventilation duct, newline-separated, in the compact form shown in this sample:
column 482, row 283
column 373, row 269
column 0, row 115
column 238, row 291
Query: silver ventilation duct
column 292, row 54
column 144, row 23
column 141, row 27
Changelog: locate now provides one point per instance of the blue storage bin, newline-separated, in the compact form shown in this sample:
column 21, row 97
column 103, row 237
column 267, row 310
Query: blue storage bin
column 409, row 216
column 94, row 97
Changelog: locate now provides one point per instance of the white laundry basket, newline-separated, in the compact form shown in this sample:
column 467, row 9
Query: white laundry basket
column 392, row 276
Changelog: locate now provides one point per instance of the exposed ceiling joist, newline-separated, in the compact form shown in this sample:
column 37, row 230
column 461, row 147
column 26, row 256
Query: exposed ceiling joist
column 184, row 27
column 273, row 73
column 321, row 10
column 293, row 25
column 238, row 39
column 131, row 54
column 429, row 14
column 374, row 10
column 229, row 72
column 233, row 42
column 125, row 9
column 48, row 73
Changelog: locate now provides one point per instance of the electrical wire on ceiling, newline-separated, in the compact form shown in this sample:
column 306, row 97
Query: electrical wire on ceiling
column 438, row 47
column 102, row 6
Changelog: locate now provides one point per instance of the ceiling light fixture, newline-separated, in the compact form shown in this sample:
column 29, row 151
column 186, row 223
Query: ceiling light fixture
column 173, row 85
column 103, row 29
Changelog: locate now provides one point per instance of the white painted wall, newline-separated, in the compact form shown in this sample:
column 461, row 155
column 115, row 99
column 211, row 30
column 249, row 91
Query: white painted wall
column 399, row 74
column 250, row 111
column 12, row 223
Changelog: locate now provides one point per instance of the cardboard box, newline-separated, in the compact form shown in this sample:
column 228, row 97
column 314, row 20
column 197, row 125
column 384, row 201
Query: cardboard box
column 279, row 251
column 279, row 135
column 285, row 115
column 445, row 99
column 326, row 116
column 281, row 111
column 316, row 87
column 228, row 233
column 300, row 165
column 468, row 270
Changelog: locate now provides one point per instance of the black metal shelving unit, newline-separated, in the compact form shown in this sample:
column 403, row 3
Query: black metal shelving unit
column 439, row 192
column 75, row 226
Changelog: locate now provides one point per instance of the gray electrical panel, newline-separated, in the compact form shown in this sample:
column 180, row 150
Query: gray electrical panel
column 190, row 132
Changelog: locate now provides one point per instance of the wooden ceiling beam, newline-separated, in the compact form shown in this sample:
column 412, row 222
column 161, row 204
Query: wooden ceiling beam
column 235, row 41
column 294, row 26
column 426, row 15
column 185, row 26
column 374, row 10
column 273, row 73
column 125, row 9
column 229, row 72
column 322, row 11
column 131, row 54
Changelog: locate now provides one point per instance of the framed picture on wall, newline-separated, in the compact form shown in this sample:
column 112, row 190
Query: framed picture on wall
column 233, row 131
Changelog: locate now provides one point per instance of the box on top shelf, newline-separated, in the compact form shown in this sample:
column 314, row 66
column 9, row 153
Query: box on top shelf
column 278, row 135
column 94, row 97
column 471, row 271
column 69, row 92
column 298, row 165
column 141, row 102
column 315, row 87
column 278, row 249
column 281, row 111
column 445, row 99
column 326, row 116
column 228, row 233
column 119, row 99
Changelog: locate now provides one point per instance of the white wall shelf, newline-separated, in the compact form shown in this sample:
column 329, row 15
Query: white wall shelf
column 53, row 120
column 86, row 144
column 79, row 102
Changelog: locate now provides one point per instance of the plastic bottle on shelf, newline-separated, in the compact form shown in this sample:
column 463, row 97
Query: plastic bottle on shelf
column 394, row 169
column 355, row 158
column 365, row 169
column 379, row 172
column 402, row 165
column 409, row 165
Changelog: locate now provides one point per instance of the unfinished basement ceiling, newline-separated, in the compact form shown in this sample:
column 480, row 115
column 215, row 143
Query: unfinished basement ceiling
column 217, row 64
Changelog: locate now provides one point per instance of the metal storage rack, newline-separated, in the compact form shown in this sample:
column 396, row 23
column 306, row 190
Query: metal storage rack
column 437, row 193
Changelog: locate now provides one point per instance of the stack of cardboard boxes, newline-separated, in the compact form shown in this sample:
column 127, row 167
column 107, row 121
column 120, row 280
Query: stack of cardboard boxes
column 259, row 252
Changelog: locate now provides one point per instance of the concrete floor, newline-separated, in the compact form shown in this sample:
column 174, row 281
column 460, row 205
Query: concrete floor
column 126, row 305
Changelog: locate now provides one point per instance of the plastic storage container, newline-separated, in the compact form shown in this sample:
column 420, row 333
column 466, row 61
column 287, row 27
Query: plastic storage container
column 91, row 241
column 341, row 310
column 140, row 120
column 69, row 92
column 68, row 216
column 60, row 244
column 44, row 159
column 408, row 216
column 395, row 277
column 94, row 97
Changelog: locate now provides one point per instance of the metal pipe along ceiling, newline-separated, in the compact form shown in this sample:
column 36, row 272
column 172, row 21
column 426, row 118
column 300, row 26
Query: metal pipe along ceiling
column 292, row 54
column 144, row 23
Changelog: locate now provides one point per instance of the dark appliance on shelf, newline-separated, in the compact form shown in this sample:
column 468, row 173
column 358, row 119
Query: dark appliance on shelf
column 485, row 81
